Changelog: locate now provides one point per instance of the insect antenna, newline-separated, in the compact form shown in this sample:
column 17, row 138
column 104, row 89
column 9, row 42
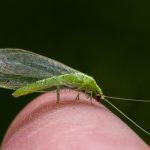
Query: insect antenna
column 128, row 99
column 142, row 129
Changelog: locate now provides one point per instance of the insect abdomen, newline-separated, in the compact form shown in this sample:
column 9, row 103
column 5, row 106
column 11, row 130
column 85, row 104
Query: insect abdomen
column 68, row 80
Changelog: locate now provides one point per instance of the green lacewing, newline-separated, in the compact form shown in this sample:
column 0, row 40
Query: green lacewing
column 27, row 72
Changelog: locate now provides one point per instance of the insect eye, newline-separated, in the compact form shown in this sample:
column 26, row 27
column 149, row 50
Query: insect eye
column 98, row 97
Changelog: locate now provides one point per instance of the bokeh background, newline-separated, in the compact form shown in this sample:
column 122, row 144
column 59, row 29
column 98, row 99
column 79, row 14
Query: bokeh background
column 108, row 40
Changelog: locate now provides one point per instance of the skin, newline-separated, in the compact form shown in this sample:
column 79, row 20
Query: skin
column 43, row 126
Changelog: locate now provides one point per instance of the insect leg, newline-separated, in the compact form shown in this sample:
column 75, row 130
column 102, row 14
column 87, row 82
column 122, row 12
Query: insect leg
column 58, row 95
column 77, row 97
column 91, row 97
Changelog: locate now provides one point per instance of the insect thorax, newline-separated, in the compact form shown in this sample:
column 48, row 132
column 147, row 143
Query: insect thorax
column 88, row 84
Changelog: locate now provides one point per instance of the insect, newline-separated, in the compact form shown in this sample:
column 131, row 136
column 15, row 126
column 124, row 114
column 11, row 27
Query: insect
column 27, row 72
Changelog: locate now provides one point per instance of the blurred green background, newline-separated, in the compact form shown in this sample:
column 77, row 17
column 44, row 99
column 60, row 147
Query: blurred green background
column 108, row 40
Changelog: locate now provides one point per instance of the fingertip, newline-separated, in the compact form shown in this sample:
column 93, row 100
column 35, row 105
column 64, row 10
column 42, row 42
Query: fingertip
column 41, row 125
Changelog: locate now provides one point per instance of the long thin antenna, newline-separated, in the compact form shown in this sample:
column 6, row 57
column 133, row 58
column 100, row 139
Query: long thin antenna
column 126, row 117
column 128, row 99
